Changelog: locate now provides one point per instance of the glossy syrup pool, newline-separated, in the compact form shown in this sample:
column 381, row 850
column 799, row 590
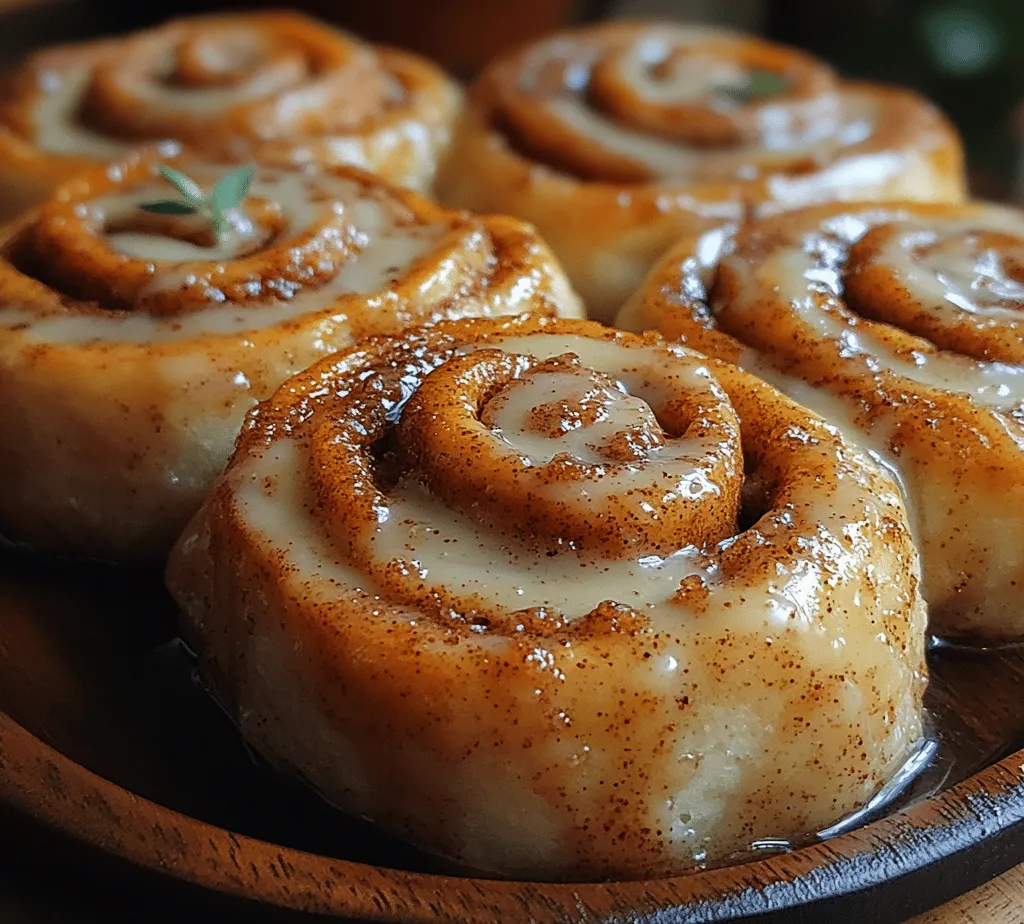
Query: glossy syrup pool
column 89, row 663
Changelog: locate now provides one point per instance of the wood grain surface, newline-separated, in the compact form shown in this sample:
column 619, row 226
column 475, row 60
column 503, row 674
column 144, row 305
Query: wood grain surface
column 29, row 901
column 999, row 902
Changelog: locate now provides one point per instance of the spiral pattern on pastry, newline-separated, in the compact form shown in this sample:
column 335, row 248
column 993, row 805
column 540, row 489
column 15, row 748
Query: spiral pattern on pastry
column 592, row 606
column 614, row 140
column 274, row 87
column 904, row 325
column 137, row 339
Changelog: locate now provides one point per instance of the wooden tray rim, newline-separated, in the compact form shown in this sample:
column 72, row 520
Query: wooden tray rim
column 44, row 784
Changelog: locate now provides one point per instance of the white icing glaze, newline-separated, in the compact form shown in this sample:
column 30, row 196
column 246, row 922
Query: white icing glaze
column 839, row 412
column 954, row 273
column 997, row 385
column 56, row 111
column 836, row 307
column 159, row 91
column 58, row 129
column 682, row 465
column 816, row 129
column 694, row 78
column 673, row 160
column 618, row 409
column 447, row 549
column 389, row 244
column 666, row 158
column 808, row 278
column 281, row 512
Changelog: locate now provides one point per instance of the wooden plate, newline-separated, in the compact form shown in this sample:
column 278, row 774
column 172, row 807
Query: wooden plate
column 106, row 736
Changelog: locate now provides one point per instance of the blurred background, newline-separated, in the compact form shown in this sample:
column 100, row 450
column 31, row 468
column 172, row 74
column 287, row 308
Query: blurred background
column 967, row 55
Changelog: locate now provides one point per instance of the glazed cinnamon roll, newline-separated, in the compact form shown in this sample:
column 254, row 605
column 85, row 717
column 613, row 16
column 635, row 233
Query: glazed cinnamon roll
column 558, row 601
column 614, row 140
column 274, row 87
column 903, row 325
column 132, row 344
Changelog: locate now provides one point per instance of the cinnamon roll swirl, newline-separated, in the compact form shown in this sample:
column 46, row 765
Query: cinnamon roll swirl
column 275, row 87
column 616, row 139
column 132, row 344
column 904, row 325
column 558, row 601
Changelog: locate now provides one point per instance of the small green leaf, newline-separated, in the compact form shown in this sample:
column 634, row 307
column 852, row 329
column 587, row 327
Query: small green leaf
column 188, row 187
column 228, row 192
column 231, row 189
column 169, row 207
column 218, row 226
column 760, row 83
column 766, row 83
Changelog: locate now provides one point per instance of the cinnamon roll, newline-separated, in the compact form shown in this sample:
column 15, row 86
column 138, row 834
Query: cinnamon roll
column 614, row 140
column 273, row 86
column 558, row 601
column 132, row 344
column 904, row 325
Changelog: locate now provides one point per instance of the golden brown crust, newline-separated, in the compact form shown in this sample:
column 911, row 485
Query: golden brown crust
column 361, row 600
column 270, row 86
column 903, row 324
column 586, row 136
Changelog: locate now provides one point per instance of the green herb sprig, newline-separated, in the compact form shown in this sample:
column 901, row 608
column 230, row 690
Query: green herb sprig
column 760, row 83
column 228, row 193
